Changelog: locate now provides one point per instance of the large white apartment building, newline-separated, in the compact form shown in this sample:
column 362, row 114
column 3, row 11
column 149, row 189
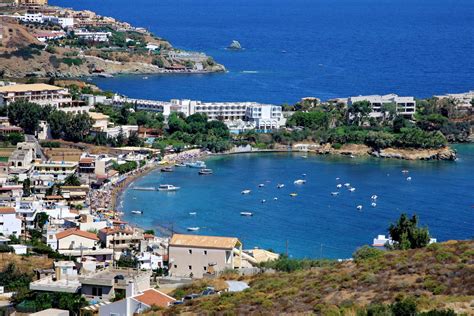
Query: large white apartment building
column 42, row 94
column 405, row 106
column 262, row 116
column 64, row 22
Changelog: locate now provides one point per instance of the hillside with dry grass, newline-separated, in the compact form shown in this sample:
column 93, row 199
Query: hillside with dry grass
column 440, row 276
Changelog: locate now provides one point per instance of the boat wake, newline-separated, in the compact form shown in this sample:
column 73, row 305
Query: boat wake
column 249, row 71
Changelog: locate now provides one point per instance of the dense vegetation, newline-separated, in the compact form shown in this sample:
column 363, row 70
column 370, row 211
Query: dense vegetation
column 73, row 127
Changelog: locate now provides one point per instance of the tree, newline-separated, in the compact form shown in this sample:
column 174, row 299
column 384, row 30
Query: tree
column 15, row 138
column 41, row 219
column 26, row 115
column 72, row 180
column 366, row 252
column 359, row 111
column 312, row 120
column 407, row 235
column 404, row 307
column 134, row 140
column 26, row 187
column 78, row 127
column 149, row 232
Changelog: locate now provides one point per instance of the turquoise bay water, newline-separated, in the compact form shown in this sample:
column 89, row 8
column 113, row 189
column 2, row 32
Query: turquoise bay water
column 441, row 193
column 334, row 48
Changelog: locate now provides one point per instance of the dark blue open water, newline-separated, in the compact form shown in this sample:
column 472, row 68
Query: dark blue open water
column 441, row 193
column 333, row 47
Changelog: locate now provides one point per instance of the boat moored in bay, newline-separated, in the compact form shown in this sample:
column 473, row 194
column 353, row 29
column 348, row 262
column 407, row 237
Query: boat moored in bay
column 196, row 164
column 168, row 187
column 205, row 171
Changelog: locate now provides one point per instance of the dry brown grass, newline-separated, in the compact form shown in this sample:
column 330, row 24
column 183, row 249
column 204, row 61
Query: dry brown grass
column 440, row 276
column 25, row 264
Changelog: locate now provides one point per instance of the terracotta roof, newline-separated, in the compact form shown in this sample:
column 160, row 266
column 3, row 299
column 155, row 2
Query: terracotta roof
column 110, row 230
column 29, row 87
column 7, row 210
column 77, row 232
column 53, row 197
column 204, row 241
column 154, row 297
column 86, row 160
column 148, row 236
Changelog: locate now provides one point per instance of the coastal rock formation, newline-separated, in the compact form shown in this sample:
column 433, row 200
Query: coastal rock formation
column 444, row 153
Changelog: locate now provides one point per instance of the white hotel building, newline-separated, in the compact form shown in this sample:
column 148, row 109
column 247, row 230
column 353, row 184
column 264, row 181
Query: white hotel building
column 257, row 115
column 405, row 106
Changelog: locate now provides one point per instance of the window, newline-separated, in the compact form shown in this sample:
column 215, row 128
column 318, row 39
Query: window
column 175, row 266
column 205, row 268
column 205, row 252
column 190, row 267
column 190, row 251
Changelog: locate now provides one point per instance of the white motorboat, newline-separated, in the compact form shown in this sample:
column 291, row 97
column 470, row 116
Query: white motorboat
column 359, row 207
column 280, row 186
column 293, row 194
column 373, row 204
column 137, row 212
column 352, row 189
column 168, row 187
column 347, row 184
column 339, row 186
column 180, row 164
column 409, row 179
column 275, row 199
column 205, row 172
column 374, row 197
column 246, row 213
column 334, row 193
column 263, row 201
column 261, row 185
column 299, row 181
column 192, row 213
column 193, row 229
column 197, row 164
column 246, row 192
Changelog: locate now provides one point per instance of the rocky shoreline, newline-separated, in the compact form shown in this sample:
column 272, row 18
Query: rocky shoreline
column 357, row 150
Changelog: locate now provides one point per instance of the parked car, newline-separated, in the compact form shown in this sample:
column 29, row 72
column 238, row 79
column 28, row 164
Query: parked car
column 178, row 302
column 191, row 297
column 208, row 291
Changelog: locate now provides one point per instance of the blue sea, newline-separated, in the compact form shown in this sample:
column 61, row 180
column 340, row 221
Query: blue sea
column 299, row 48
column 314, row 223
column 294, row 49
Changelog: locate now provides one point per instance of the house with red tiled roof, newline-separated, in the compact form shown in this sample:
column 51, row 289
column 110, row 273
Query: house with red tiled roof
column 75, row 239
column 120, row 237
column 137, row 304
column 10, row 224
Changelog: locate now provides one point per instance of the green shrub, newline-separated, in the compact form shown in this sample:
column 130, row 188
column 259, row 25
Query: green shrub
column 366, row 252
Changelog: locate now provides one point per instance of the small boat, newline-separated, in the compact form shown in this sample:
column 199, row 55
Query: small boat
column 193, row 229
column 246, row 192
column 197, row 164
column 246, row 213
column 205, row 172
column 145, row 78
column 168, row 187
column 334, row 193
column 347, row 184
column 352, row 156
column 137, row 212
column 304, row 175
column 235, row 45
column 359, row 207
column 180, row 164
column 263, row 201
column 261, row 185
column 339, row 186
column 167, row 169
column 280, row 186
column 409, row 179
column 374, row 197
column 352, row 189
column 299, row 181
column 144, row 188
column 275, row 199
column 293, row 194
column 405, row 171
column 192, row 213
column 373, row 204
column 337, row 178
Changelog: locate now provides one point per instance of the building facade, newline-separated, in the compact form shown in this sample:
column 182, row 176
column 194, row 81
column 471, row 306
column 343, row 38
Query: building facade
column 405, row 106
column 196, row 256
